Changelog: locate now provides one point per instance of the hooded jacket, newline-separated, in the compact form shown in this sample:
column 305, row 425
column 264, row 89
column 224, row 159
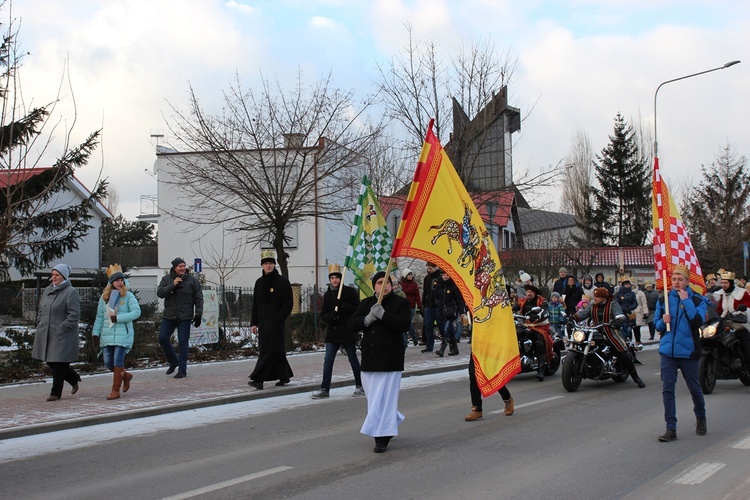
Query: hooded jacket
column 682, row 341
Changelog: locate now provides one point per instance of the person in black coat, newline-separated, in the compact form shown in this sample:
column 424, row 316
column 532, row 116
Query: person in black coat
column 272, row 305
column 573, row 294
column 335, row 314
column 451, row 305
column 383, row 348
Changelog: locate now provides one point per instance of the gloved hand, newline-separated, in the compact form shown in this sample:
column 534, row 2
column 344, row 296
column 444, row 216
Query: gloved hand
column 113, row 318
column 370, row 318
column 533, row 317
column 377, row 310
column 197, row 321
column 95, row 342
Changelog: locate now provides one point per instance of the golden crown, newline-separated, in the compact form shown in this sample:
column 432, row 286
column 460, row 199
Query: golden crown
column 114, row 268
column 624, row 278
column 334, row 269
column 727, row 275
column 710, row 276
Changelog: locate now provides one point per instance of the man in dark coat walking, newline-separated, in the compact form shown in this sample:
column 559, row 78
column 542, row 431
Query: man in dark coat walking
column 272, row 305
column 335, row 314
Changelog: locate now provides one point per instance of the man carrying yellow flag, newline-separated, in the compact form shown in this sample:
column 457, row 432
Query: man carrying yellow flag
column 441, row 224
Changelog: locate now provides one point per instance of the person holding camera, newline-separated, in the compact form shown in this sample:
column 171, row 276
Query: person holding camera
column 183, row 304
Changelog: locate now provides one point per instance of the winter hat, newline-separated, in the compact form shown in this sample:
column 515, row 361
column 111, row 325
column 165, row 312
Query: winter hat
column 524, row 277
column 562, row 270
column 63, row 269
column 378, row 275
column 582, row 304
column 267, row 256
column 406, row 272
column 555, row 294
column 114, row 273
column 602, row 293
column 176, row 262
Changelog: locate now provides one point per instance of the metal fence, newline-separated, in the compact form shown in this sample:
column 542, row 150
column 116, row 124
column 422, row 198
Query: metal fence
column 235, row 308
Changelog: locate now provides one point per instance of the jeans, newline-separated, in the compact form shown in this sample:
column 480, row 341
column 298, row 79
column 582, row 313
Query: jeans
column 351, row 351
column 411, row 332
column 430, row 317
column 114, row 356
column 449, row 331
column 689, row 369
column 183, row 335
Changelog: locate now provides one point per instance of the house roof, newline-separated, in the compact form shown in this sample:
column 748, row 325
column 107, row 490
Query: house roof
column 11, row 177
column 536, row 221
column 591, row 257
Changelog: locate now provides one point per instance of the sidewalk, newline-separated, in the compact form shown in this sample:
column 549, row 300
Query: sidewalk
column 24, row 410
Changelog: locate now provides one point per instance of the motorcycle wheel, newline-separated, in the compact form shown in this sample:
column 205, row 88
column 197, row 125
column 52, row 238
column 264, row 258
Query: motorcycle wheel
column 707, row 373
column 571, row 372
column 552, row 367
column 745, row 379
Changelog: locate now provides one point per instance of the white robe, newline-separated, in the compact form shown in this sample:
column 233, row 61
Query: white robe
column 381, row 390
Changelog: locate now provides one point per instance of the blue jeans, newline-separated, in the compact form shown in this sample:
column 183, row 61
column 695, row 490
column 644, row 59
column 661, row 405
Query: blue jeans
column 448, row 331
column 351, row 351
column 689, row 369
column 114, row 356
column 183, row 335
column 430, row 317
column 411, row 332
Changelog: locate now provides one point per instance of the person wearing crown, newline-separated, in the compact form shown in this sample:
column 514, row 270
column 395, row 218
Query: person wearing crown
column 680, row 349
column 339, row 303
column 272, row 305
column 729, row 299
column 183, row 304
column 113, row 328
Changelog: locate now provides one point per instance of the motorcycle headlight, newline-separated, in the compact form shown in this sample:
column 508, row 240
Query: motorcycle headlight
column 708, row 331
column 579, row 336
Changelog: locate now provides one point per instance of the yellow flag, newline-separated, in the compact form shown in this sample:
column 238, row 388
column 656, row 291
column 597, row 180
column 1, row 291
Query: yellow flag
column 441, row 225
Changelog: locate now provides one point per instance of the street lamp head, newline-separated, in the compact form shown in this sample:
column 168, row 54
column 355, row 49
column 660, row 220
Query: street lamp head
column 731, row 63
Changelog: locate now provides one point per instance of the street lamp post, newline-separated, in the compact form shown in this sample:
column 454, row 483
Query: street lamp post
column 727, row 65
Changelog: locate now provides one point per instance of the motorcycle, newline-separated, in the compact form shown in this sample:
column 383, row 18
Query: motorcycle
column 590, row 355
column 721, row 354
column 526, row 348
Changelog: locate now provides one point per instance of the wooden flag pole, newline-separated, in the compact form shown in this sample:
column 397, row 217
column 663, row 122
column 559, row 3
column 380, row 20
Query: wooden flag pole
column 666, row 292
column 385, row 279
column 341, row 287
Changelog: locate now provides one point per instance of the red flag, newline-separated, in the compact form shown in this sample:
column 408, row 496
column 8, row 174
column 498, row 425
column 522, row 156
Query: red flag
column 671, row 241
column 441, row 224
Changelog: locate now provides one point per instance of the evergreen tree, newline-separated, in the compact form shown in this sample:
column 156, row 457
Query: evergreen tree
column 622, row 202
column 717, row 213
column 118, row 232
column 37, row 226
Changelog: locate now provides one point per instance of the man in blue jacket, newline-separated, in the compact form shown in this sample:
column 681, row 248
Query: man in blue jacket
column 680, row 348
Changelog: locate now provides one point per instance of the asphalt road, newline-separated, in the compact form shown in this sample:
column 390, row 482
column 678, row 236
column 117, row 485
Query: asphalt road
column 599, row 442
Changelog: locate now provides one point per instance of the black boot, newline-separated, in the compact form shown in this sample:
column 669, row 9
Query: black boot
column 540, row 370
column 637, row 379
column 454, row 348
column 443, row 345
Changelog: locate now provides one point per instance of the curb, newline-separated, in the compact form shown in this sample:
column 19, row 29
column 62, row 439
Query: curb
column 31, row 430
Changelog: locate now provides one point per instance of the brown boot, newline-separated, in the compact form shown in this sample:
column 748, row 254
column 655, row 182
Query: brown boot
column 475, row 414
column 116, row 383
column 126, row 378
column 509, row 408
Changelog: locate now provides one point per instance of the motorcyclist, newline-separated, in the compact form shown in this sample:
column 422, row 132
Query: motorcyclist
column 539, row 328
column 605, row 311
column 729, row 299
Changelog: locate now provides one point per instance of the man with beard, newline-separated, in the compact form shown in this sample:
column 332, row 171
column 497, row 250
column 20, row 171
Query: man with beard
column 272, row 305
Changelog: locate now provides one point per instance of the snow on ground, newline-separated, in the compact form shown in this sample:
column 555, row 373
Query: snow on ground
column 51, row 442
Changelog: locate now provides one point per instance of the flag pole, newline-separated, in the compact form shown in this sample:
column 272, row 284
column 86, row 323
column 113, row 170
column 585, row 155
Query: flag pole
column 385, row 279
column 666, row 291
column 341, row 287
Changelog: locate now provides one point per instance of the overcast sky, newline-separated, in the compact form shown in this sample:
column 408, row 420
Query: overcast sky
column 580, row 63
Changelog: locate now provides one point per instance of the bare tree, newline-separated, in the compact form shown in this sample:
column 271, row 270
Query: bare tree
column 272, row 158
column 38, row 222
column 578, row 174
column 467, row 98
